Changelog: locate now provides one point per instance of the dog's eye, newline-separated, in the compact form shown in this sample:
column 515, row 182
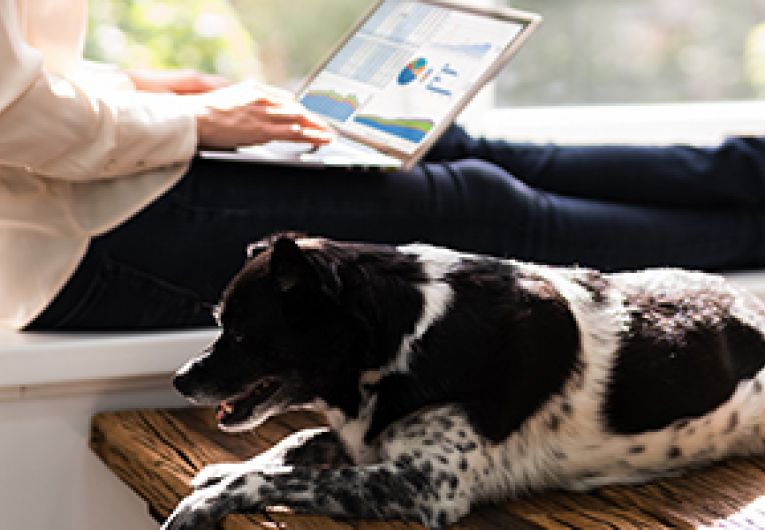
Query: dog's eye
column 234, row 335
column 217, row 311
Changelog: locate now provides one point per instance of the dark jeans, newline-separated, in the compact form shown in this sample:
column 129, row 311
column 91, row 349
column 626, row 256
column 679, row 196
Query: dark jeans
column 611, row 208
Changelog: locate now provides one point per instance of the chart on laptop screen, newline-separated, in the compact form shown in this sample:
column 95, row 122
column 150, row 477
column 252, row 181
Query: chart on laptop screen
column 405, row 69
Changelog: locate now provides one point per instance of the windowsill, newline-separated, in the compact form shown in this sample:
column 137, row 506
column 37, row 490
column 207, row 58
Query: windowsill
column 44, row 359
column 695, row 123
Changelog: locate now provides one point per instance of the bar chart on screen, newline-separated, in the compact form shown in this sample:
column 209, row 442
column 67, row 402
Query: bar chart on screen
column 411, row 129
column 330, row 103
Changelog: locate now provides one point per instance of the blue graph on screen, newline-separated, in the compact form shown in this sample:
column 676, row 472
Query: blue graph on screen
column 330, row 104
column 438, row 83
column 476, row 50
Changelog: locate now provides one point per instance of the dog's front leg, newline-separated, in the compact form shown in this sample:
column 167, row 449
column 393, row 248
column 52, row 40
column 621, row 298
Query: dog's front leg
column 392, row 490
column 317, row 447
column 432, row 469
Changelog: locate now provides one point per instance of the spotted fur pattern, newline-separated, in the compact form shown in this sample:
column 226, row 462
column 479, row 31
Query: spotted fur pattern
column 465, row 379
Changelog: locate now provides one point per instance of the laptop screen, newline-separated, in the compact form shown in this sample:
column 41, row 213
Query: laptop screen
column 405, row 69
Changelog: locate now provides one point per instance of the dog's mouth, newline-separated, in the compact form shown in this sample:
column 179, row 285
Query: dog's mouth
column 242, row 407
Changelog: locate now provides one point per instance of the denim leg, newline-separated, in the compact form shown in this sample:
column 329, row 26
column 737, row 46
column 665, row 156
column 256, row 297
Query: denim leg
column 540, row 226
column 729, row 175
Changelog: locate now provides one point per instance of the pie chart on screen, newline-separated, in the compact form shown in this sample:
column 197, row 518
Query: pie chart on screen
column 412, row 70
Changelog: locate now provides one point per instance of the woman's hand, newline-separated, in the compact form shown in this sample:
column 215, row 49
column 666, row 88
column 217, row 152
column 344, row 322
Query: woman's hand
column 250, row 113
column 176, row 81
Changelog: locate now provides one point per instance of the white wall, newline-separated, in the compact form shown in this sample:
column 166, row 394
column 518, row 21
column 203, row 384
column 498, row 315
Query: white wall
column 49, row 479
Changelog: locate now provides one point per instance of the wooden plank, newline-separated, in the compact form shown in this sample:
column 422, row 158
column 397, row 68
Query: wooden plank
column 158, row 452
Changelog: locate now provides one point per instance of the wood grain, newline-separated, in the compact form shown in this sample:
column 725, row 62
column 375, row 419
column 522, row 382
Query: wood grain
column 157, row 452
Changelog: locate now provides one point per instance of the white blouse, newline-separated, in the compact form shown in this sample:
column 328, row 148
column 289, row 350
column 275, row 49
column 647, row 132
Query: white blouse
column 76, row 159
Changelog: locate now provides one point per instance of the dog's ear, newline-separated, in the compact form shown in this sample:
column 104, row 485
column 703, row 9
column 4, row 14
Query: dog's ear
column 289, row 266
column 254, row 249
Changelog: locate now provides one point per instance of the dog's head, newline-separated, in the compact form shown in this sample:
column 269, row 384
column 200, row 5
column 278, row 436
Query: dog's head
column 286, row 338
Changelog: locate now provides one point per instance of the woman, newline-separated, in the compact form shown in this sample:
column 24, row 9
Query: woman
column 106, row 223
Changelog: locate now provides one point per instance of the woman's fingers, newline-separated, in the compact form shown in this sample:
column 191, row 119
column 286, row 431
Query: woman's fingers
column 245, row 115
column 296, row 115
column 296, row 133
column 289, row 122
column 228, row 128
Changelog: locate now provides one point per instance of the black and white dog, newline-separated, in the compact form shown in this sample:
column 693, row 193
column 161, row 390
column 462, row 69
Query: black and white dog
column 451, row 379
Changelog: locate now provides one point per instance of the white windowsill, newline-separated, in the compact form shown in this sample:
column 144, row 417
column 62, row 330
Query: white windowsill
column 695, row 123
column 28, row 359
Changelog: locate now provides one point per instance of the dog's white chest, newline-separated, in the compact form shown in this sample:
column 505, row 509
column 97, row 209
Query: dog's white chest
column 351, row 432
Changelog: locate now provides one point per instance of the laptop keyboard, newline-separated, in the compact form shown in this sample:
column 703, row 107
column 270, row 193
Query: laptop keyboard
column 338, row 152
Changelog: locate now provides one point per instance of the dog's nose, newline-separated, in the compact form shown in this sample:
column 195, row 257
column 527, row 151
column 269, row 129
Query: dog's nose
column 183, row 384
column 184, row 379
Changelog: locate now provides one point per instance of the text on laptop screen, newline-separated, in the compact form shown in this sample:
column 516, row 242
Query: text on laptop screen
column 405, row 69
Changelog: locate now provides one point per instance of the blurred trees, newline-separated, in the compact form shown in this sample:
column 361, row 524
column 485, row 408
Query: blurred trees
column 273, row 39
column 295, row 36
column 201, row 34
column 626, row 51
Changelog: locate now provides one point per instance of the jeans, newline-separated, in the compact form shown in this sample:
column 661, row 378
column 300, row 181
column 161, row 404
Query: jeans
column 612, row 208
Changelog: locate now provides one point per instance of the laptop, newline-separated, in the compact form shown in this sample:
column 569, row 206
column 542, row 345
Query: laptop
column 397, row 81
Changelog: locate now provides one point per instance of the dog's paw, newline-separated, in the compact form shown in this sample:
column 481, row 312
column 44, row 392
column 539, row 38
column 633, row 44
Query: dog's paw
column 205, row 507
column 214, row 473
column 195, row 512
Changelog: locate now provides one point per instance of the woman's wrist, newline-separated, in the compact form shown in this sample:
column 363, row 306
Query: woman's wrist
column 176, row 81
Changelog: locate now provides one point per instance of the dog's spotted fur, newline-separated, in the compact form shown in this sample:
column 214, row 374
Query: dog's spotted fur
column 450, row 380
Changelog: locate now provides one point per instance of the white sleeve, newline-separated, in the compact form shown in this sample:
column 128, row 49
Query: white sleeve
column 55, row 127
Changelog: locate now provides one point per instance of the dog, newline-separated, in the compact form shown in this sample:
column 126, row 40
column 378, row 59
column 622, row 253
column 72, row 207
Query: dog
column 450, row 379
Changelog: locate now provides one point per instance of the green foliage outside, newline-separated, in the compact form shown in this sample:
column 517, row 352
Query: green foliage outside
column 626, row 51
column 273, row 39
column 201, row 34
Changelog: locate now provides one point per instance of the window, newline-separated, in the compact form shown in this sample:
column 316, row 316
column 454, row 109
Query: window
column 587, row 52
column 638, row 51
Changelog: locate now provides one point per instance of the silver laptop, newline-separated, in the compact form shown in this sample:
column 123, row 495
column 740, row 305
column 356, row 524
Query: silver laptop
column 397, row 81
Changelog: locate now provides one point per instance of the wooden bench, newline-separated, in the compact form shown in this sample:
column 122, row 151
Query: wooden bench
column 157, row 452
